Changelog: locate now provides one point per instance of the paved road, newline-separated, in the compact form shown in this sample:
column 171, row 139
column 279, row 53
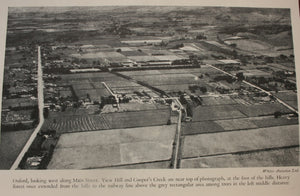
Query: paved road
column 113, row 94
column 178, row 134
column 257, row 87
column 40, row 92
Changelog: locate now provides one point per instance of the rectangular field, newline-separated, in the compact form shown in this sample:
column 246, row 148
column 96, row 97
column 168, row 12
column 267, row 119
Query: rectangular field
column 204, row 70
column 87, row 76
column 240, row 141
column 118, row 147
column 218, row 112
column 270, row 158
column 137, row 118
column 11, row 145
column 220, row 100
column 168, row 79
column 272, row 122
column 75, row 123
column 289, row 97
column 190, row 128
column 111, row 56
column 236, row 124
column 262, row 109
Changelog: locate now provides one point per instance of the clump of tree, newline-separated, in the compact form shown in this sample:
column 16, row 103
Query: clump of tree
column 193, row 88
column 201, row 36
column 226, row 78
column 240, row 76
column 277, row 114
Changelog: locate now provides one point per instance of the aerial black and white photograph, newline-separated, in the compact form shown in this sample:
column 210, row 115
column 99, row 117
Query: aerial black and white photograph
column 148, row 87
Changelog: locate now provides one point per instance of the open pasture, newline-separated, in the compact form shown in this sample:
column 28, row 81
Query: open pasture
column 174, row 88
column 287, row 95
column 111, row 56
column 86, row 76
column 11, row 145
column 204, row 70
column 133, row 53
column 217, row 100
column 270, row 121
column 250, row 45
column 240, row 141
column 118, row 147
column 236, row 124
column 270, row 158
column 190, row 128
column 262, row 109
column 218, row 112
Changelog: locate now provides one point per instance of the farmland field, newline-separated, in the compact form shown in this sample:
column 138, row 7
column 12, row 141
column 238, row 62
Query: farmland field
column 63, row 124
column 121, row 83
column 118, row 147
column 250, row 140
column 11, row 145
column 142, row 58
column 133, row 53
column 137, row 118
column 218, row 112
column 111, row 56
column 250, row 45
column 129, row 89
column 270, row 158
column 174, row 87
column 84, row 85
column 271, row 121
column 168, row 79
column 90, row 84
column 150, row 87
column 262, row 109
column 236, row 124
column 190, row 128
column 204, row 69
column 132, row 106
column 220, row 100
column 83, row 122
column 289, row 97
column 19, row 102
column 87, row 76
column 293, row 103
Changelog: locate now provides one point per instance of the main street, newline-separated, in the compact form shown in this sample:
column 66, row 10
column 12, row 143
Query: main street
column 178, row 135
column 40, row 95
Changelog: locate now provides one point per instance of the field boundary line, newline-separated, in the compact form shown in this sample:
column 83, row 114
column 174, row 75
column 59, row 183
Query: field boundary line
column 242, row 152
